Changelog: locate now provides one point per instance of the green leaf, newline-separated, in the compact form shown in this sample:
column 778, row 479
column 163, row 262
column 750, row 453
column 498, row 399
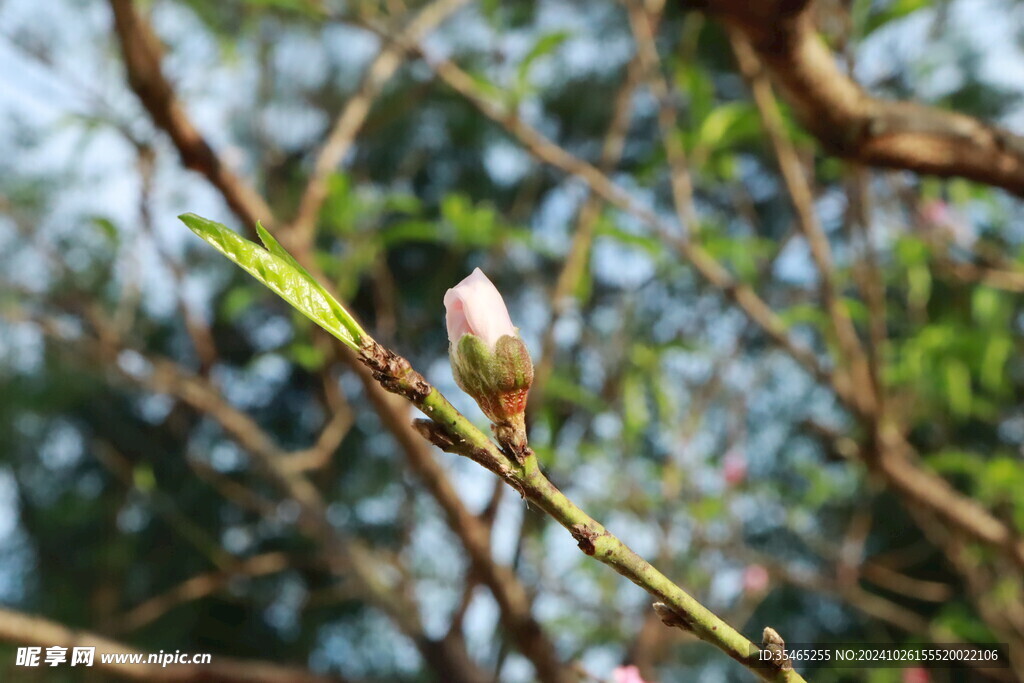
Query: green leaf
column 235, row 301
column 308, row 356
column 282, row 274
column 144, row 478
column 722, row 127
column 306, row 7
column 896, row 10
column 997, row 352
column 606, row 228
column 545, row 45
column 987, row 308
column 563, row 388
column 106, row 227
column 958, row 387
column 1000, row 480
column 919, row 290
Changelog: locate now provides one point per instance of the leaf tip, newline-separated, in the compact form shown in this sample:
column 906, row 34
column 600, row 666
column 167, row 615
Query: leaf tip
column 265, row 236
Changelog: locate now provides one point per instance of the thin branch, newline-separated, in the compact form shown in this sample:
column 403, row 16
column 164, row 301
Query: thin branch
column 334, row 431
column 577, row 260
column 142, row 52
column 233, row 491
column 353, row 116
column 870, row 277
column 27, row 630
column 901, row 584
column 201, row 586
column 451, row 431
column 511, row 595
column 644, row 18
column 799, row 189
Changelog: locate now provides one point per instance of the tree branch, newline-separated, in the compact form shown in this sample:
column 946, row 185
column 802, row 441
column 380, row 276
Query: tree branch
column 142, row 58
column 354, row 114
column 852, row 124
column 27, row 630
column 448, row 429
column 509, row 592
column 201, row 586
column 799, row 189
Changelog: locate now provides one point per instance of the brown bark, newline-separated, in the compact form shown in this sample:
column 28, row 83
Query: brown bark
column 852, row 124
column 26, row 630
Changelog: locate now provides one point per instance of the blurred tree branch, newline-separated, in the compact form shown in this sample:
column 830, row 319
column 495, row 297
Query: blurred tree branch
column 353, row 116
column 201, row 586
column 27, row 630
column 800, row 193
column 142, row 57
column 852, row 124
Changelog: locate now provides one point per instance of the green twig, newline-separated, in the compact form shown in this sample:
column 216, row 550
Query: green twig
column 451, row 431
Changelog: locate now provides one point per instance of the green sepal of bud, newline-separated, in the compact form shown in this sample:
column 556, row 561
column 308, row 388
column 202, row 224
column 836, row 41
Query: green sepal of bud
column 498, row 379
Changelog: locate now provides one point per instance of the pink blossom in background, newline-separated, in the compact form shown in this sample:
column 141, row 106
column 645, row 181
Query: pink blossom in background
column 627, row 674
column 939, row 215
column 935, row 211
column 734, row 466
column 474, row 306
column 916, row 674
column 755, row 580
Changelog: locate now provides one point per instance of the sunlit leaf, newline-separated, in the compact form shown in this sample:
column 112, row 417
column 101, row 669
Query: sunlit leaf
column 895, row 10
column 545, row 45
column 279, row 272
column 958, row 387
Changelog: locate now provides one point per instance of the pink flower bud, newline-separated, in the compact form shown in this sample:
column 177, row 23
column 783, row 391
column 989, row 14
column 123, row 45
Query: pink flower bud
column 627, row 674
column 947, row 221
column 916, row 674
column 936, row 211
column 755, row 580
column 734, row 467
column 474, row 306
column 489, row 360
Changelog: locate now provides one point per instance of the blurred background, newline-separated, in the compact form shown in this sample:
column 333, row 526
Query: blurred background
column 146, row 382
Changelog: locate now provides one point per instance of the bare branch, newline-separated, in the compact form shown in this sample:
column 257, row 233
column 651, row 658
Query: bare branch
column 576, row 262
column 799, row 189
column 508, row 591
column 27, row 630
column 201, row 586
column 352, row 117
column 142, row 52
column 854, row 125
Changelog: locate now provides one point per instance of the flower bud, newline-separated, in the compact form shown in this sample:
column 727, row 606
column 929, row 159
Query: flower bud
column 734, row 466
column 489, row 360
column 755, row 580
column 627, row 674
